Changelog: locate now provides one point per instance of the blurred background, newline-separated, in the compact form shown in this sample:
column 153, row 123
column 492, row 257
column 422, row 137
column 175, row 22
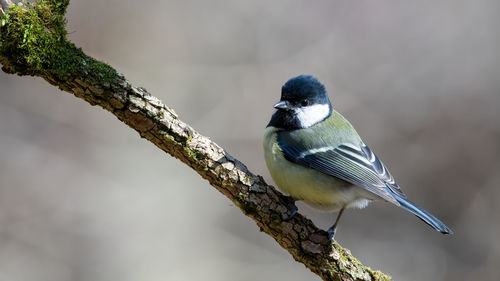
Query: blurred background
column 82, row 197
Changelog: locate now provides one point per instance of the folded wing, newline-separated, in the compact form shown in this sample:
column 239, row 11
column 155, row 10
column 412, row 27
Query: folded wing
column 354, row 163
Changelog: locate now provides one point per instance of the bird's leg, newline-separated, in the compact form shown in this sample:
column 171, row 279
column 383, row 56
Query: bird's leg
column 291, row 202
column 331, row 231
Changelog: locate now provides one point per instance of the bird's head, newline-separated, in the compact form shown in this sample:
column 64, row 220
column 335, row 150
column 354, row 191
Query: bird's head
column 304, row 102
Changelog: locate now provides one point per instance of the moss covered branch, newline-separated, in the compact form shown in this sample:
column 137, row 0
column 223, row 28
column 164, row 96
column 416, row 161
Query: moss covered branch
column 33, row 42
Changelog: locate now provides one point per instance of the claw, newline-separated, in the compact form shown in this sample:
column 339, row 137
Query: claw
column 331, row 233
column 291, row 203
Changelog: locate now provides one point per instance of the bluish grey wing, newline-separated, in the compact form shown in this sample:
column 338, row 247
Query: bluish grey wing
column 346, row 162
column 364, row 156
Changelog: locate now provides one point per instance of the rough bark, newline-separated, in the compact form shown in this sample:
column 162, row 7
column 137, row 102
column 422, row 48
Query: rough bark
column 33, row 42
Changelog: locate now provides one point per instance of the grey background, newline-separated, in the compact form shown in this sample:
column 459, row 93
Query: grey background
column 82, row 197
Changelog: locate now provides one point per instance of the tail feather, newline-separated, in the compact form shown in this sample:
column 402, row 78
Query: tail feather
column 423, row 215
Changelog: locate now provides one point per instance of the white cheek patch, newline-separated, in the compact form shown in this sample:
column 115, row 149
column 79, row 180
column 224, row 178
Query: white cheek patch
column 312, row 114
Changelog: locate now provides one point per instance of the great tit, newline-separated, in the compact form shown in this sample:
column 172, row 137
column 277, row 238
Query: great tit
column 314, row 154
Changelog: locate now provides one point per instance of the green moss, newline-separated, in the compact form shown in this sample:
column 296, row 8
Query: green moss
column 192, row 153
column 242, row 201
column 33, row 42
column 3, row 20
column 275, row 233
column 349, row 264
column 379, row 275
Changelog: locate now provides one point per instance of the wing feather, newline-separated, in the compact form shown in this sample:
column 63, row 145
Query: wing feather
column 353, row 163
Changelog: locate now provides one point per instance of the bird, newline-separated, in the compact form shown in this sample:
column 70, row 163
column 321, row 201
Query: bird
column 315, row 155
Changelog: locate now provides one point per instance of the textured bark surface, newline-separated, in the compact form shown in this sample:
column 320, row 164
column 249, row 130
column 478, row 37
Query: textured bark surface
column 101, row 85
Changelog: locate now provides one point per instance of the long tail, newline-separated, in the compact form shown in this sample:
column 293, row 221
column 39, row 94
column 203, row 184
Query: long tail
column 423, row 215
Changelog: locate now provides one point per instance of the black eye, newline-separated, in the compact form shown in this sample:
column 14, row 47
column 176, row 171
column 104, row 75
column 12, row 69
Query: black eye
column 304, row 102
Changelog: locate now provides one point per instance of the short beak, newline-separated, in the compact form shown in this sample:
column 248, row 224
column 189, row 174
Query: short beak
column 281, row 105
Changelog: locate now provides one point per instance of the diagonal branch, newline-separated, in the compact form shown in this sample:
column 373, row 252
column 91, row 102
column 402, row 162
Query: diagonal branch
column 33, row 42
column 4, row 4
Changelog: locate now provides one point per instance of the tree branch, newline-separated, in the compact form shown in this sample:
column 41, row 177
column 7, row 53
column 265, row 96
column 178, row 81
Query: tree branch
column 33, row 42
column 4, row 5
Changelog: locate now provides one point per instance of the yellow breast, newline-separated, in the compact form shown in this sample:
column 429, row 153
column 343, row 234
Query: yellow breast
column 315, row 188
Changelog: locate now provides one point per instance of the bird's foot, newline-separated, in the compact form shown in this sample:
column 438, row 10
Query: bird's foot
column 331, row 233
column 291, row 203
